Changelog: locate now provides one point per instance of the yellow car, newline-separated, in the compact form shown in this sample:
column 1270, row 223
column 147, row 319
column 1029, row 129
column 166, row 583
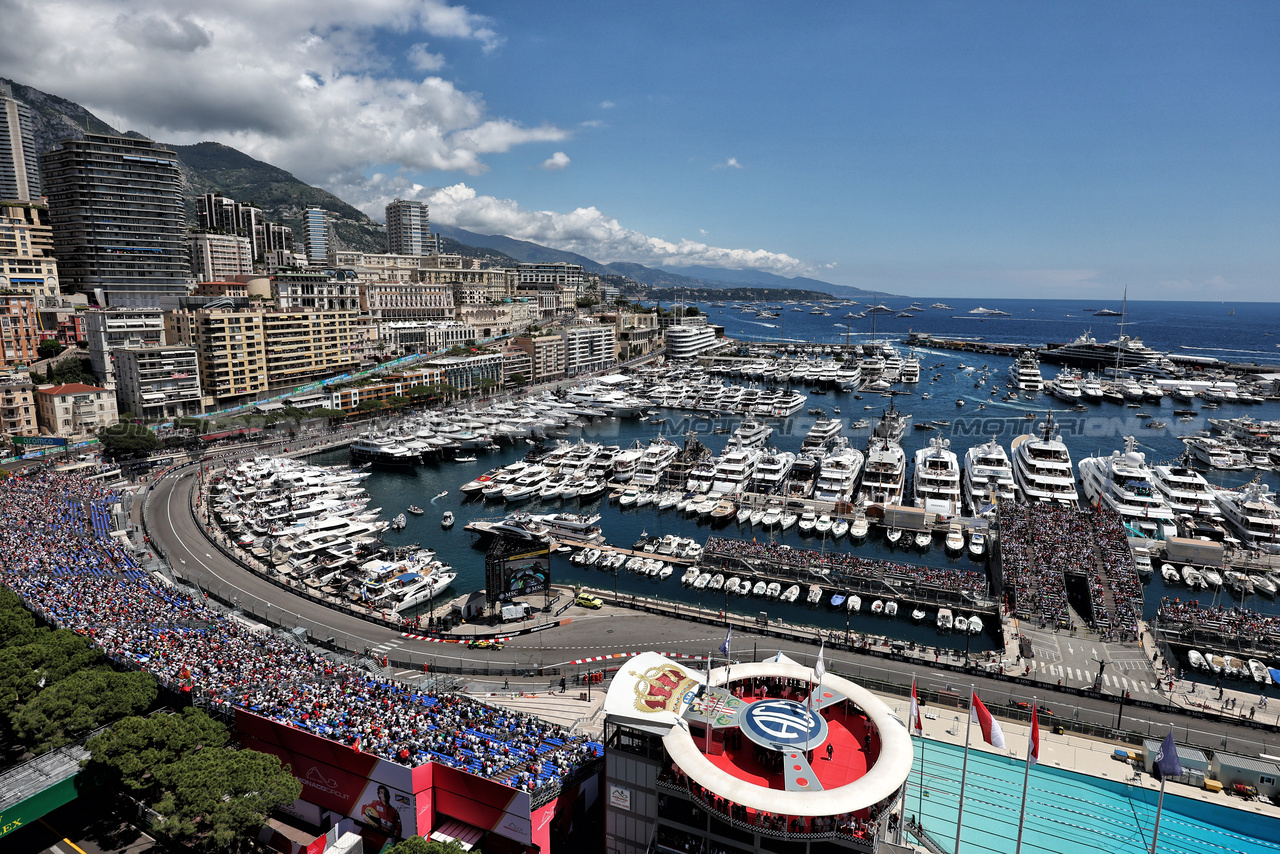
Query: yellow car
column 586, row 600
column 484, row 644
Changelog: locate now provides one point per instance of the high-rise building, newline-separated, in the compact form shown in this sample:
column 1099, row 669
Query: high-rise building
column 108, row 329
column 315, row 221
column 409, row 229
column 26, row 253
column 215, row 257
column 116, row 208
column 19, row 166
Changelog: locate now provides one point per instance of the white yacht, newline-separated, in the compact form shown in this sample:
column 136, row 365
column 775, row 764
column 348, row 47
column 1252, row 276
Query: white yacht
column 1091, row 388
column 626, row 464
column 1185, row 490
column 1025, row 372
column 936, row 478
column 823, row 432
column 737, row 465
column 891, row 425
column 1251, row 513
column 884, row 476
column 1213, row 453
column 772, row 472
column 838, row 475
column 654, row 461
column 987, row 480
column 1042, row 466
column 752, row 433
column 1066, row 387
column 911, row 369
column 1122, row 482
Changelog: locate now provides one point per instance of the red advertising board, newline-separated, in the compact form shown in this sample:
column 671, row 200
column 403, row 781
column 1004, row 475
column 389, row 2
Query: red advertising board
column 482, row 803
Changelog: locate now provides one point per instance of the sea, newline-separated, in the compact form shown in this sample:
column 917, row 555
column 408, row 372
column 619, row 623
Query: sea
column 1238, row 332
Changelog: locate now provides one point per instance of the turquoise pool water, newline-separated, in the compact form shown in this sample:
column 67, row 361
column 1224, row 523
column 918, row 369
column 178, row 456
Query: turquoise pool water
column 1069, row 812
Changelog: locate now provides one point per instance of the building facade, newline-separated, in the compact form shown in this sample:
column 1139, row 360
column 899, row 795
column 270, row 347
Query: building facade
column 230, row 348
column 517, row 366
column 215, row 257
column 407, row 336
column 588, row 347
column 107, row 329
column 470, row 374
column 546, row 353
column 19, row 165
column 19, row 330
column 409, row 229
column 688, row 342
column 75, row 410
column 18, row 406
column 307, row 345
column 27, row 264
column 559, row 274
column 158, row 382
column 406, row 301
column 116, row 208
column 315, row 221
column 331, row 290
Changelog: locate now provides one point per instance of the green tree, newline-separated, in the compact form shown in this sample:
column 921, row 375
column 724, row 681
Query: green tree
column 368, row 405
column 418, row 845
column 49, row 348
column 17, row 624
column 518, row 379
column 397, row 400
column 83, row 701
column 487, row 384
column 138, row 754
column 217, row 799
column 127, row 440
column 43, row 660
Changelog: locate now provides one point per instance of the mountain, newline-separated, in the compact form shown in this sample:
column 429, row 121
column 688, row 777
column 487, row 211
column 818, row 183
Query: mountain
column 521, row 250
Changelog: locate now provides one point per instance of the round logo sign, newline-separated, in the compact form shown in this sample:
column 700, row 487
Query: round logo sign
column 782, row 723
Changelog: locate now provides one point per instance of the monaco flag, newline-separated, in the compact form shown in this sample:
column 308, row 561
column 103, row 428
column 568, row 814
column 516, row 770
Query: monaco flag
column 1033, row 740
column 991, row 732
column 917, row 725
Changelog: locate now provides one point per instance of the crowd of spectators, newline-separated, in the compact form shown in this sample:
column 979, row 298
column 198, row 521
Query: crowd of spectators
column 55, row 552
column 1040, row 544
column 846, row 566
column 1234, row 622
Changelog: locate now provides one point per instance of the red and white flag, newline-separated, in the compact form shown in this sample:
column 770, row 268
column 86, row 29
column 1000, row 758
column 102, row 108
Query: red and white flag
column 991, row 732
column 1033, row 741
column 917, row 726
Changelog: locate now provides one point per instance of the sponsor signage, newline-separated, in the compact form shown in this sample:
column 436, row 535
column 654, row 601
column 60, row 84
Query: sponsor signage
column 619, row 797
column 782, row 724
column 40, row 440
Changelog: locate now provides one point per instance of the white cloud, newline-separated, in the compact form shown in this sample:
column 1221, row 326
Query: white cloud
column 307, row 85
column 607, row 105
column 423, row 59
column 559, row 160
column 589, row 232
column 731, row 163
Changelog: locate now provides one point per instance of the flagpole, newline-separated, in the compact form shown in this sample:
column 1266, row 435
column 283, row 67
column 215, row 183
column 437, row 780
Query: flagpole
column 964, row 769
column 1026, row 775
column 1155, row 832
column 911, row 731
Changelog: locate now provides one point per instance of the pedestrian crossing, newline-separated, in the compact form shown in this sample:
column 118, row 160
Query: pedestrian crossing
column 1076, row 676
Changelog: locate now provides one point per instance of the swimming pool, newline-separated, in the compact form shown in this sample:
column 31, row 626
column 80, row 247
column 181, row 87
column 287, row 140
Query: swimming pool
column 1068, row 812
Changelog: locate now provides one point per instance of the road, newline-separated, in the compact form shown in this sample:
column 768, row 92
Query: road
column 617, row 631
column 84, row 826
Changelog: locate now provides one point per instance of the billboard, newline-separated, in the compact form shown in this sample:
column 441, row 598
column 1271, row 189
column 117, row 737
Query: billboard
column 483, row 803
column 516, row 568
column 385, row 796
column 39, row 440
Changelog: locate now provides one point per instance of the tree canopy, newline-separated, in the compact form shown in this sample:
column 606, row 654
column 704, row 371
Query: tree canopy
column 419, row 845
column 138, row 754
column 126, row 440
column 83, row 701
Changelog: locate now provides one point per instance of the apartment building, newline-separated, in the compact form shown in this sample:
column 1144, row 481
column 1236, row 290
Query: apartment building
column 315, row 222
column 469, row 373
column 18, row 406
column 307, row 345
column 546, row 354
column 409, row 228
column 406, row 301
column 687, row 342
column 331, row 290
column 27, row 264
column 19, row 164
column 19, row 329
column 105, row 329
column 75, row 410
column 159, row 381
column 392, row 385
column 231, row 349
column 409, row 336
column 517, row 365
column 215, row 257
column 588, row 347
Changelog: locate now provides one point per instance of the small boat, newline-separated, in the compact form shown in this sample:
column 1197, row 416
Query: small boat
column 1236, row 668
column 1259, row 672
column 854, row 604
column 891, row 608
column 960, row 624
column 977, row 543
column 441, row 494
column 893, row 535
column 815, row 594
column 918, row 615
column 944, row 619
column 701, row 582
column 1217, row 664
column 955, row 540
column 1211, row 577
column 877, row 607
column 731, row 586
column 446, row 521
column 773, row 590
column 975, row 625
column 1197, row 660
column 923, row 539
column 791, row 594
column 858, row 528
column 399, row 522
column 416, row 510
column 1263, row 585
column 716, row 582
column 1170, row 574
column 759, row 589
column 468, row 458
column 837, row 599
column 839, row 528
column 690, row 575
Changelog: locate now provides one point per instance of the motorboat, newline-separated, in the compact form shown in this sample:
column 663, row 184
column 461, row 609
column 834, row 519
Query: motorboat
column 975, row 625
column 1211, row 577
column 1142, row 562
column 853, row 604
column 1197, row 660
column 839, row 528
column 1259, row 672
column 1122, row 483
column 936, row 478
column 1170, row 574
column 791, row 593
column 415, row 510
column 893, row 535
column 446, row 521
column 977, row 543
column 1263, row 585
column 815, row 594
column 1025, row 372
column 1193, row 579
column 891, row 608
column 944, row 619
column 987, row 480
column 759, row 588
column 858, row 528
column 808, row 521
column 918, row 615
column 877, row 607
column 960, row 624
column 837, row 600
column 1253, row 515
column 955, row 540
column 923, row 539
column 773, row 590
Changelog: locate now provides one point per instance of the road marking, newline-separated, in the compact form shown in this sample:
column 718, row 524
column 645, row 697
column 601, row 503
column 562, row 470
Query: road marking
column 64, row 839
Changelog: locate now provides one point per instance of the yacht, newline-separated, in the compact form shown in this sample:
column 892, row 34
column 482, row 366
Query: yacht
column 1066, row 387
column 989, row 312
column 936, row 478
column 885, row 474
column 823, row 432
column 1042, row 466
column 987, row 480
column 626, row 464
column 1185, row 490
column 911, row 370
column 804, row 471
column 736, row 467
column 1091, row 388
column 752, row 434
column 1088, row 353
column 838, row 475
column 1025, row 372
column 653, row 462
column 384, row 451
column 772, row 472
column 1252, row 514
column 1122, row 482
column 1213, row 453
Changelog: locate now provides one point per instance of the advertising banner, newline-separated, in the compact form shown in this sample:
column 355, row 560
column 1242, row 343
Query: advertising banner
column 483, row 803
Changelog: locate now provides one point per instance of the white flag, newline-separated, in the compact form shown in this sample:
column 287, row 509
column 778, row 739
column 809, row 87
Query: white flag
column 819, row 667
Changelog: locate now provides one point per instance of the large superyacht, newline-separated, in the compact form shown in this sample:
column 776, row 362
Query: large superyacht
column 936, row 478
column 987, row 479
column 1042, row 466
column 1122, row 482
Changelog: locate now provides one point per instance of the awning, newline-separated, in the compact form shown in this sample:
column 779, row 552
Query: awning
column 269, row 407
column 464, row 834
column 243, row 431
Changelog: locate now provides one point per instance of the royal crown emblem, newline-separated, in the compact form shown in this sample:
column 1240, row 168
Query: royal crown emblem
column 657, row 687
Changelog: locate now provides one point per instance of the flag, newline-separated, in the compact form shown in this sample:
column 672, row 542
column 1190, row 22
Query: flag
column 916, row 725
column 819, row 666
column 1033, row 740
column 724, row 647
column 355, row 745
column 1166, row 763
column 991, row 732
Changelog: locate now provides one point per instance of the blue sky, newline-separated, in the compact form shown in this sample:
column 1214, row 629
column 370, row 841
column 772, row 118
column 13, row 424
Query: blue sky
column 980, row 149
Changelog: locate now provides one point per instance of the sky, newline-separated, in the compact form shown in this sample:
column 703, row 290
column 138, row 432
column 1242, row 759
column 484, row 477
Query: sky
column 974, row 149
